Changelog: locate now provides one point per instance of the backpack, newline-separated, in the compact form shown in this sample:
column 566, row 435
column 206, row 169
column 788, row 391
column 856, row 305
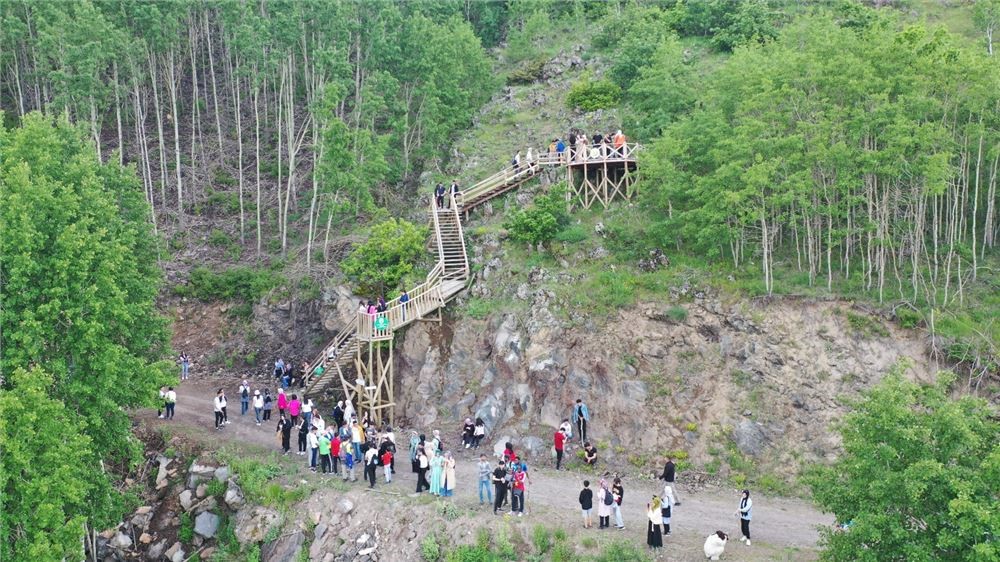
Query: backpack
column 609, row 498
column 244, row 391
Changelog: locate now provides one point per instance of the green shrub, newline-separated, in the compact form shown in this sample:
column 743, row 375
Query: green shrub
column 621, row 551
column 573, row 234
column 504, row 547
column 219, row 238
column 591, row 95
column 430, row 550
column 533, row 226
column 559, row 535
column 563, row 552
column 588, row 542
column 234, row 284
column 677, row 313
column 215, row 488
column 542, row 538
column 387, row 257
column 908, row 318
column 185, row 533
column 527, row 72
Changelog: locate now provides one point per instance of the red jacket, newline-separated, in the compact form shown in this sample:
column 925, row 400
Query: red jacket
column 335, row 446
column 559, row 439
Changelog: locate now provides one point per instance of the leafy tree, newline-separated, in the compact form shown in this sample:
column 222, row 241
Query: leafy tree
column 751, row 20
column 540, row 223
column 986, row 14
column 591, row 95
column 47, row 472
column 633, row 36
column 78, row 282
column 917, row 479
column 386, row 259
column 663, row 90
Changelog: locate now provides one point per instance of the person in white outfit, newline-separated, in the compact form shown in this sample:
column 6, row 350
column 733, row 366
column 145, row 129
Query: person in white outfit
column 715, row 545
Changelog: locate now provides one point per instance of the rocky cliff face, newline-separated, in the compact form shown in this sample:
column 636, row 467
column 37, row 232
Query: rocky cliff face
column 764, row 376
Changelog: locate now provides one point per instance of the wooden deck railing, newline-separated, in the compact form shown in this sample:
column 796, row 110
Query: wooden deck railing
column 424, row 298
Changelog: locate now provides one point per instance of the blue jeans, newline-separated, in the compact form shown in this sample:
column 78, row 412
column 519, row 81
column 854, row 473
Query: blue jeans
column 357, row 449
column 308, row 417
column 256, row 413
column 244, row 407
column 185, row 368
column 313, row 457
column 489, row 490
column 618, row 515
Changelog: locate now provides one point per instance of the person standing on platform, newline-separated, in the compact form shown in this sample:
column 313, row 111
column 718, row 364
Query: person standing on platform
column 439, row 192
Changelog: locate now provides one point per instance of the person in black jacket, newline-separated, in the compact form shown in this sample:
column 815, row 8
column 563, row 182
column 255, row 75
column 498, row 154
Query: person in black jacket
column 668, row 476
column 500, row 486
column 587, row 504
column 285, row 428
column 439, row 192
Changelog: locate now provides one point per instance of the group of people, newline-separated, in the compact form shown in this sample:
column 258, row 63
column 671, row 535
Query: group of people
column 285, row 376
column 610, row 494
column 601, row 146
column 440, row 192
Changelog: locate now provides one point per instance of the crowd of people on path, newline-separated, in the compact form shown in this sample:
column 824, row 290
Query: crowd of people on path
column 337, row 447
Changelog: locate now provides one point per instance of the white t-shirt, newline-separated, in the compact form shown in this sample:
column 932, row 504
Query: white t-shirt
column 220, row 403
column 307, row 407
column 312, row 441
column 258, row 401
column 171, row 396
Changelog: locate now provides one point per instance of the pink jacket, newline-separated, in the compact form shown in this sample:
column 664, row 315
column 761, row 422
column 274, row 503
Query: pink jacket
column 293, row 407
column 282, row 402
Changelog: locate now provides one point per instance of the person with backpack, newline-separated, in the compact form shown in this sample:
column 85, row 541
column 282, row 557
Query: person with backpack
column 581, row 417
column 587, row 504
column 744, row 513
column 439, row 192
column 518, row 481
column 348, row 464
column 605, row 499
column 558, row 441
column 268, row 404
column 258, row 405
column 666, row 508
column 220, row 409
column 500, row 486
column 244, row 397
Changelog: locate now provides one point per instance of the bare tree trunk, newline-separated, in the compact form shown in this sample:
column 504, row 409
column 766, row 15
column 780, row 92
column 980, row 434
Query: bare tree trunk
column 239, row 158
column 172, row 88
column 118, row 115
column 256, row 122
column 159, row 128
column 211, row 70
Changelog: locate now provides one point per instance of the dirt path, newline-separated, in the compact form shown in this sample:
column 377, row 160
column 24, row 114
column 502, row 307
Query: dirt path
column 783, row 528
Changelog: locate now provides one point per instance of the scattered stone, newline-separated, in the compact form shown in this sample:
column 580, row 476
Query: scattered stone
column 175, row 553
column 121, row 541
column 207, row 553
column 285, row 549
column 222, row 473
column 799, row 402
column 155, row 552
column 206, row 524
column 234, row 497
column 363, row 538
column 207, row 504
column 201, row 490
column 186, row 499
column 145, row 538
column 345, row 506
column 254, row 523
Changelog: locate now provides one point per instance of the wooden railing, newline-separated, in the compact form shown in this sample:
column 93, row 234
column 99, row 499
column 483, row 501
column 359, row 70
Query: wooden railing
column 528, row 168
column 424, row 298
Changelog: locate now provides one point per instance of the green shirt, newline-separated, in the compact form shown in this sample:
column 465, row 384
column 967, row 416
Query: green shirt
column 324, row 445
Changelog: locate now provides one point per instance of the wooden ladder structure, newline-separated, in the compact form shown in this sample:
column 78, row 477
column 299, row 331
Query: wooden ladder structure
column 360, row 357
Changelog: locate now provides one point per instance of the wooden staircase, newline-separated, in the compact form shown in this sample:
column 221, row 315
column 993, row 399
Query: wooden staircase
column 356, row 358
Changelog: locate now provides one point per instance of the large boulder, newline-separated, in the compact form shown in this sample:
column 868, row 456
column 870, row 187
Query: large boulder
column 206, row 524
column 121, row 541
column 175, row 553
column 254, row 523
column 750, row 438
column 187, row 499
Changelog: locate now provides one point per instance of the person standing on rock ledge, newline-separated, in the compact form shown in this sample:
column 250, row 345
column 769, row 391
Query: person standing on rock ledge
column 581, row 417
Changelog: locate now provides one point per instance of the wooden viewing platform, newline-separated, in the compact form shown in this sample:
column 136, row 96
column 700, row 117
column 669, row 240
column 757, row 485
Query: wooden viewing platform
column 360, row 357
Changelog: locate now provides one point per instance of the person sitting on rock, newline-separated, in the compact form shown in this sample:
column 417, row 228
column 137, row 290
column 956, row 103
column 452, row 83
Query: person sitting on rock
column 589, row 454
